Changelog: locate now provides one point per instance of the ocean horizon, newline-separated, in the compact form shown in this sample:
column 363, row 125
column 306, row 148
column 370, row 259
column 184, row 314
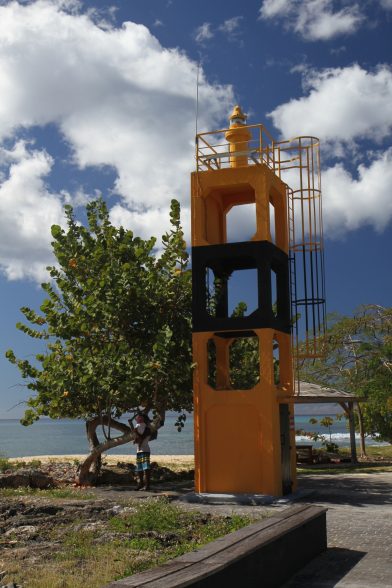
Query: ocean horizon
column 68, row 437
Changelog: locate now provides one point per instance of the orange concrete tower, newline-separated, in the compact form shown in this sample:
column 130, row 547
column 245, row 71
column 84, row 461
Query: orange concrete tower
column 243, row 439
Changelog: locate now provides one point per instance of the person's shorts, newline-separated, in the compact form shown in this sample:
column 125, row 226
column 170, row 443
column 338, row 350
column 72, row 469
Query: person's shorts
column 142, row 461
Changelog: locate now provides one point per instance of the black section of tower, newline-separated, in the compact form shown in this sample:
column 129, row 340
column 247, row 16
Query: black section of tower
column 262, row 256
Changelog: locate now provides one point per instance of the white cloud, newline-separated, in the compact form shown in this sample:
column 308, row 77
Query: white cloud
column 203, row 33
column 350, row 203
column 231, row 27
column 27, row 211
column 314, row 20
column 241, row 223
column 351, row 199
column 386, row 4
column 342, row 105
column 272, row 8
column 137, row 223
column 117, row 96
column 338, row 50
column 231, row 24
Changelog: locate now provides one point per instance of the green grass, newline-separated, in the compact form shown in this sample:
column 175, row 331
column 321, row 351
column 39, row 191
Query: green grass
column 174, row 530
column 76, row 545
column 346, row 469
column 379, row 459
column 6, row 464
column 56, row 493
column 373, row 451
column 147, row 534
column 165, row 518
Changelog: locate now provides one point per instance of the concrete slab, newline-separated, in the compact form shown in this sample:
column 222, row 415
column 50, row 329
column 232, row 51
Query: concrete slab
column 243, row 499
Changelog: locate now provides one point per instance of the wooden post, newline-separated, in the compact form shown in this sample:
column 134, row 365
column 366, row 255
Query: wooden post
column 361, row 431
column 352, row 432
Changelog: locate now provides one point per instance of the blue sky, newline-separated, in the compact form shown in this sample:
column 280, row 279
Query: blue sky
column 99, row 98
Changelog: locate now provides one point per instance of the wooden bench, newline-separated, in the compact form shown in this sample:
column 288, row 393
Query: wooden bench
column 304, row 453
column 266, row 553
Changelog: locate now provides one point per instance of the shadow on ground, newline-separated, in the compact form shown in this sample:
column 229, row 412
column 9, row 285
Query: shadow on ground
column 350, row 489
column 361, row 490
column 327, row 569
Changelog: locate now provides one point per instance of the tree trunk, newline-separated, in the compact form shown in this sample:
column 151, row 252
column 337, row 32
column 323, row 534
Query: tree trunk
column 93, row 441
column 361, row 431
column 87, row 471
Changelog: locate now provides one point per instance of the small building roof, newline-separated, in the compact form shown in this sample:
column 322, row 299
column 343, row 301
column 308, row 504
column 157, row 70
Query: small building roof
column 314, row 393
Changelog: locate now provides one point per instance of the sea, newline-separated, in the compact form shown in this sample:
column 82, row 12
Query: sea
column 68, row 437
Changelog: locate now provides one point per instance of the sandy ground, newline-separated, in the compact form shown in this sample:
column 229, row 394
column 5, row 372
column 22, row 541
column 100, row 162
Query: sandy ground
column 165, row 460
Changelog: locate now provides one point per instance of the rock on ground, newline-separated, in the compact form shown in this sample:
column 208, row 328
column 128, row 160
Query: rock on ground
column 26, row 478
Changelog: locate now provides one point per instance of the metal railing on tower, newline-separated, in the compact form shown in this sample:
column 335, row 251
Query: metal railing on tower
column 297, row 163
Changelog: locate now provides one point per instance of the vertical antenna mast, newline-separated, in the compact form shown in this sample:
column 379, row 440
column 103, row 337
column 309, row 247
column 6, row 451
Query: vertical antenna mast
column 197, row 98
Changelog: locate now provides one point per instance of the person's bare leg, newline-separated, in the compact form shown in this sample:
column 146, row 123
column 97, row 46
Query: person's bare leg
column 140, row 483
column 147, row 476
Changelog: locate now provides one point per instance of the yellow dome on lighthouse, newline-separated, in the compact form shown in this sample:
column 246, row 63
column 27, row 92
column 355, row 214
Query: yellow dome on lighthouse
column 237, row 116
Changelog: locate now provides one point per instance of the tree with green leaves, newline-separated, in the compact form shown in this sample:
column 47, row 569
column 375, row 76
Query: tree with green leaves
column 358, row 359
column 116, row 322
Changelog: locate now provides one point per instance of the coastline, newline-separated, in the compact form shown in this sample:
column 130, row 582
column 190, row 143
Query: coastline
column 111, row 459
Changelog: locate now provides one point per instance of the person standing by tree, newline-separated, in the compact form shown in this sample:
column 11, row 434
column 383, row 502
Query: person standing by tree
column 143, row 436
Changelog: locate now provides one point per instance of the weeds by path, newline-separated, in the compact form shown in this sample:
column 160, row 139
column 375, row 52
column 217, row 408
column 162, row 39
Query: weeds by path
column 344, row 469
column 379, row 459
column 55, row 493
column 54, row 544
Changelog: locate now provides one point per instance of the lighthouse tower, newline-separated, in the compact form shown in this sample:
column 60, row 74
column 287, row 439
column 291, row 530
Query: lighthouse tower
column 243, row 439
